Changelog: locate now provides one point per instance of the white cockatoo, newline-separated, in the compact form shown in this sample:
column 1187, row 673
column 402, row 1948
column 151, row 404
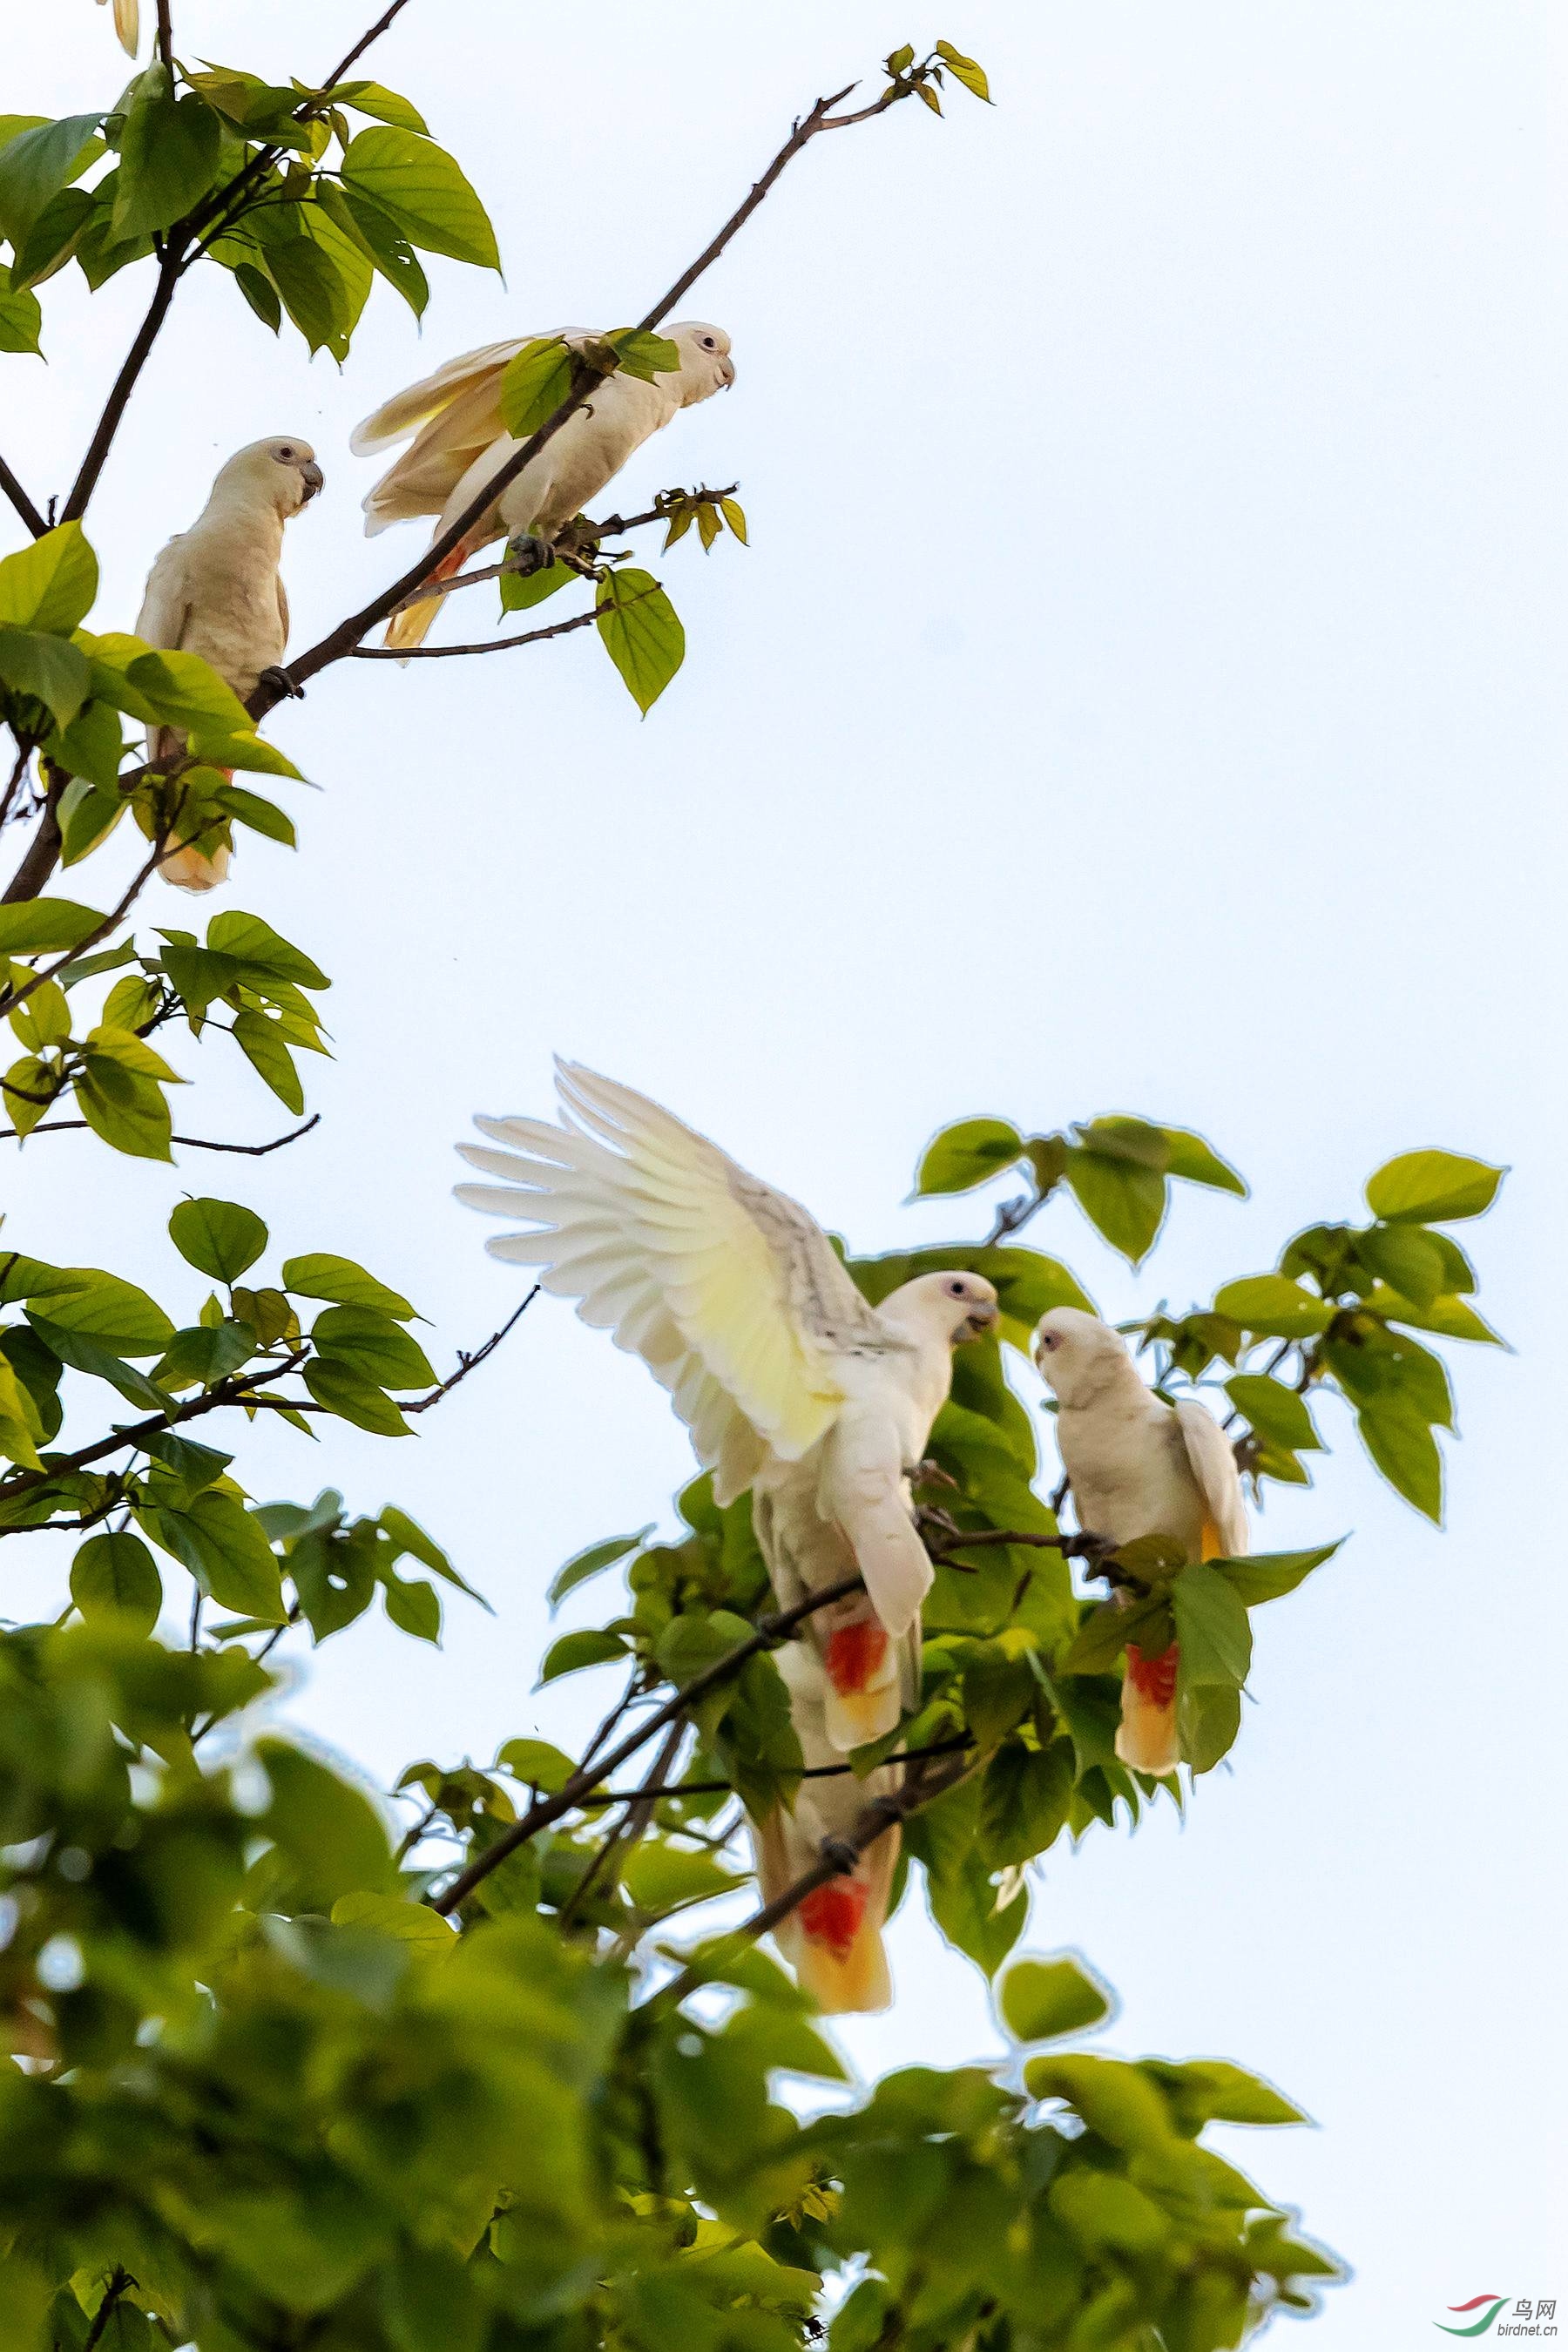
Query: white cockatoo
column 127, row 24
column 788, row 1380
column 460, row 443
column 1138, row 1467
column 834, row 1937
column 215, row 591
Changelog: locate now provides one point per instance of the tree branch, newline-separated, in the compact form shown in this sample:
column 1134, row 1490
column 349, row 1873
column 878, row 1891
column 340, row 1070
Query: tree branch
column 467, row 1363
column 165, row 38
column 611, row 528
column 770, row 1631
column 125, row 384
column 236, row 1390
column 364, row 43
column 808, row 1773
column 21, row 501
column 11, row 998
column 630, row 1830
column 343, row 640
column 192, row 1142
column 489, row 644
column 837, row 1859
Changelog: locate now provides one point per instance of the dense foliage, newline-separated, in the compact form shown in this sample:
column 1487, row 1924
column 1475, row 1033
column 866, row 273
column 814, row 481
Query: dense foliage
column 284, row 2076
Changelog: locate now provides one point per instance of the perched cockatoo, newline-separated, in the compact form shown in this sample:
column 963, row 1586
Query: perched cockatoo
column 1138, row 1467
column 788, row 1380
column 215, row 591
column 460, row 443
column 835, row 1936
column 127, row 24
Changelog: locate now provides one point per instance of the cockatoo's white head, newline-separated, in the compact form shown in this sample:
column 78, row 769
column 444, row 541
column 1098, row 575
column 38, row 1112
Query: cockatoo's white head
column 952, row 1307
column 1078, row 1355
column 706, row 366
column 283, row 474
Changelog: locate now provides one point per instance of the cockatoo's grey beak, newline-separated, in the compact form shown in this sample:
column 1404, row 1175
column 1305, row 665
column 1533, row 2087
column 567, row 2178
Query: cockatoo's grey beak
column 312, row 476
column 979, row 1322
column 727, row 371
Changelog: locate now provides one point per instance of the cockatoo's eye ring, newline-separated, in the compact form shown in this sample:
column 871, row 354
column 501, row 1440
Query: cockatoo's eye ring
column 957, row 1290
column 284, row 457
column 1050, row 1339
column 709, row 344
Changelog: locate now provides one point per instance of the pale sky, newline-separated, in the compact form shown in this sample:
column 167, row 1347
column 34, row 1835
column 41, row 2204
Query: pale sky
column 1142, row 692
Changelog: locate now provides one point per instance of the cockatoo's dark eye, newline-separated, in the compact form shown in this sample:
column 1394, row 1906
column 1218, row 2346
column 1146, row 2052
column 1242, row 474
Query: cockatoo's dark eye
column 284, row 457
column 709, row 344
column 957, row 1290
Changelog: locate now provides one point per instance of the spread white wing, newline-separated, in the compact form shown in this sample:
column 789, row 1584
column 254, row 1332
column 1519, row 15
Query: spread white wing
column 729, row 1290
column 1212, row 1464
column 454, row 416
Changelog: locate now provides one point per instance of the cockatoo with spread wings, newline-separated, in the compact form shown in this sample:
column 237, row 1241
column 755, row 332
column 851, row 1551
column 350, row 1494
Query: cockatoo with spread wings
column 834, row 1937
column 789, row 1381
column 460, row 443
column 1138, row 1467
column 216, row 590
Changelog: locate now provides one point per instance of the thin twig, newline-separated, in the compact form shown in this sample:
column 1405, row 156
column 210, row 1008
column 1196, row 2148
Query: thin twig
column 364, row 43
column 21, row 501
column 808, row 1773
column 236, row 1390
column 344, row 639
column 432, row 591
column 630, row 1830
column 770, row 1631
column 192, row 1142
column 25, row 746
column 120, row 2279
column 489, row 644
column 166, row 37
column 13, row 997
column 125, row 384
column 467, row 1363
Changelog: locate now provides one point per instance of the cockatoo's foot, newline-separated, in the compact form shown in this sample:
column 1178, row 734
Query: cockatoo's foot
column 840, row 1854
column 278, row 678
column 930, row 1473
column 526, row 555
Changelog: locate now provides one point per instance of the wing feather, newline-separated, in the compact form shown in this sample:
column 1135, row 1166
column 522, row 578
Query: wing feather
column 729, row 1292
column 1212, row 1464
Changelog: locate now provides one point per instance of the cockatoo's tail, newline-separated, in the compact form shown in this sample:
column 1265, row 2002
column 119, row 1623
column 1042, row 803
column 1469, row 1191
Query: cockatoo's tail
column 1148, row 1738
column 838, row 1955
column 852, row 1655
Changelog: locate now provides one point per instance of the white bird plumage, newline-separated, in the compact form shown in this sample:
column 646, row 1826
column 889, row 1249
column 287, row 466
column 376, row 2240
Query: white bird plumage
column 787, row 1379
column 1138, row 1467
column 460, row 443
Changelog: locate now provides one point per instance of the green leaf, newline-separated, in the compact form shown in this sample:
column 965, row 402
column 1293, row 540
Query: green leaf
column 1408, row 1258
column 183, row 690
column 1212, row 1627
column 1451, row 1319
column 535, row 385
column 644, row 355
column 1267, row 1575
column 260, row 1040
column 409, row 1536
column 36, row 163
column 1041, row 1999
column 91, row 749
column 386, row 105
column 168, row 157
column 50, row 585
column 572, row 1652
column 217, row 1237
column 1025, row 1801
column 225, row 1549
column 413, row 1608
column 100, row 1362
column 1432, row 1188
column 370, row 1343
column 354, row 1398
column 204, row 1354
column 1122, row 1200
column 130, row 1113
column 322, row 1275
column 117, row 1314
column 49, row 670
column 1114, row 2098
column 261, row 949
column 1273, row 1305
column 966, row 71
column 423, row 191
column 1210, row 2090
column 538, row 1763
column 597, row 1557
column 660, row 1877
column 314, row 291
column 330, row 1834
column 389, row 249
column 1274, row 1411
column 21, row 322
column 641, row 633
column 1198, row 1162
column 1398, row 1437
column 966, row 1155
column 116, row 1575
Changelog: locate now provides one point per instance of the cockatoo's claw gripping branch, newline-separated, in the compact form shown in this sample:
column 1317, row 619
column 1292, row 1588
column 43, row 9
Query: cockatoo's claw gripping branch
column 276, row 675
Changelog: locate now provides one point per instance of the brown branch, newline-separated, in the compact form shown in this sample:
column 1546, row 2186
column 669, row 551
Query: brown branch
column 344, row 639
column 25, row 746
column 125, row 384
column 165, row 38
column 236, row 1390
column 770, row 1631
column 611, row 528
column 13, row 997
column 808, row 1773
column 364, row 42
column 192, row 1142
column 120, row 2279
column 21, row 501
column 838, row 1858
column 467, row 1363
column 630, row 1830
column 42, row 852
column 489, row 644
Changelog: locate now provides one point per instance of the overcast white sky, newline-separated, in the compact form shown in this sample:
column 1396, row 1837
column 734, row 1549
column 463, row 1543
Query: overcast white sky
column 1142, row 692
